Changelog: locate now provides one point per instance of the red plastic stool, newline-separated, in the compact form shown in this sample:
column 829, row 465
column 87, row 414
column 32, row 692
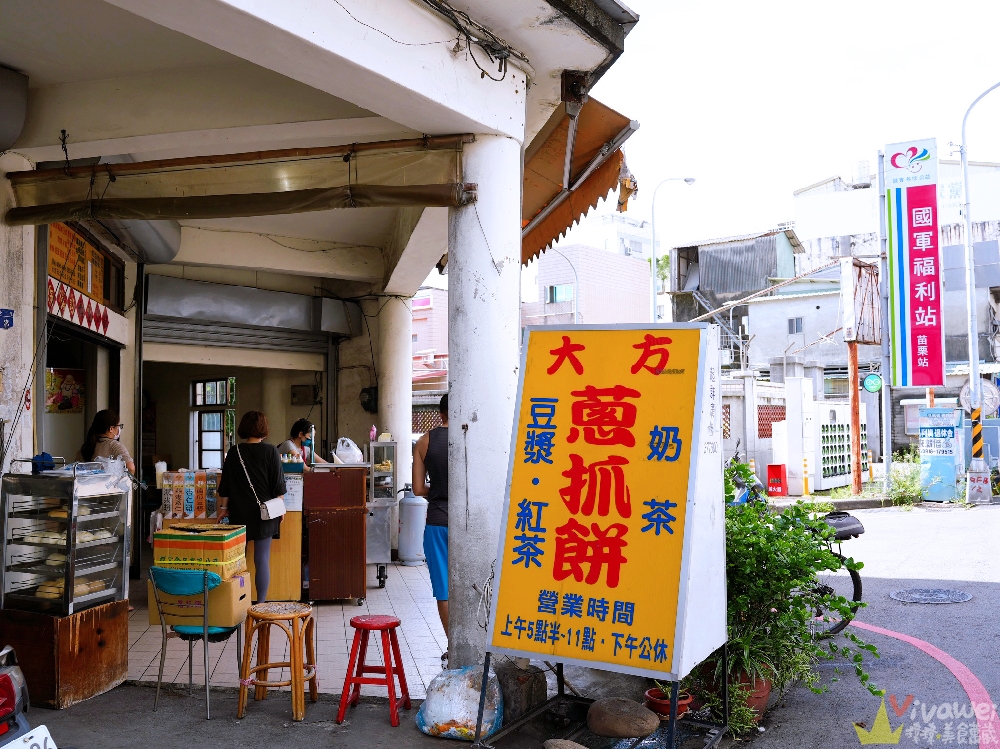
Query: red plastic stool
column 357, row 668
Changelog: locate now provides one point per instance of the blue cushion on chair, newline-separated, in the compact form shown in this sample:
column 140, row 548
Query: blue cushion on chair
column 184, row 629
column 182, row 582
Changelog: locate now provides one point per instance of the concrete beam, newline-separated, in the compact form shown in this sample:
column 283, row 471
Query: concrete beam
column 180, row 143
column 426, row 244
column 262, row 252
column 176, row 353
column 394, row 57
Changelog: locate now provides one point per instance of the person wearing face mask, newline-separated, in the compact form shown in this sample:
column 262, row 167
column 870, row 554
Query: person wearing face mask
column 299, row 442
column 103, row 440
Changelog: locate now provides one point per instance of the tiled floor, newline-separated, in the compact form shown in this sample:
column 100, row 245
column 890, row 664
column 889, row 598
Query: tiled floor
column 407, row 595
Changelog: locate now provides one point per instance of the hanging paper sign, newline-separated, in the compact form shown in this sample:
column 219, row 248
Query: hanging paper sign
column 612, row 551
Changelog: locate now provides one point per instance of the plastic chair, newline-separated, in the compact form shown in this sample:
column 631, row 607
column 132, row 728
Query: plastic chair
column 189, row 583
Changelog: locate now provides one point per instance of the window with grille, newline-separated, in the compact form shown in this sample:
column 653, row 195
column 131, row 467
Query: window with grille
column 767, row 414
column 217, row 392
column 213, row 420
column 794, row 325
column 211, row 438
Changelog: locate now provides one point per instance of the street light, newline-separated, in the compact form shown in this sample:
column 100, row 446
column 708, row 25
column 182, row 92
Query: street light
column 686, row 180
column 576, row 288
column 975, row 388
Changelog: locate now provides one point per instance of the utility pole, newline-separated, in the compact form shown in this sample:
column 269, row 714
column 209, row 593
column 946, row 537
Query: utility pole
column 854, row 398
column 886, row 346
column 978, row 489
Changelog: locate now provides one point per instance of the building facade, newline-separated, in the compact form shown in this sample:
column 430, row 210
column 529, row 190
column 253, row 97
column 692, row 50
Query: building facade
column 598, row 286
column 320, row 187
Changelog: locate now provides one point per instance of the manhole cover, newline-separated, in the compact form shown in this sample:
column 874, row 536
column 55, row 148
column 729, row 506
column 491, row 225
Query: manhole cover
column 931, row 595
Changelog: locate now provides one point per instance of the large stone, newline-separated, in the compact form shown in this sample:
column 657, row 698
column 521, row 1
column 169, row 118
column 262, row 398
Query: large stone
column 562, row 744
column 618, row 718
column 523, row 688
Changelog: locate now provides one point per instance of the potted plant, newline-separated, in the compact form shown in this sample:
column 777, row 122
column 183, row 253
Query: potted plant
column 772, row 561
column 658, row 700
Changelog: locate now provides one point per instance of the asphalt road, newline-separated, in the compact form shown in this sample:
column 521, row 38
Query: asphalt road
column 925, row 548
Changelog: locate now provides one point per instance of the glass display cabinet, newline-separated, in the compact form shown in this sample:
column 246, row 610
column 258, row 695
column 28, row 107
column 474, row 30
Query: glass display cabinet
column 65, row 539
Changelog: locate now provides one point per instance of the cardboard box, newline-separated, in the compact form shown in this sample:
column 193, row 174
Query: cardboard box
column 227, row 604
column 197, row 546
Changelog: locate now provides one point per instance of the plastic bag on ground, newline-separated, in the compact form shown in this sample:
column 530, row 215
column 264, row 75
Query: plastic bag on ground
column 452, row 704
column 349, row 452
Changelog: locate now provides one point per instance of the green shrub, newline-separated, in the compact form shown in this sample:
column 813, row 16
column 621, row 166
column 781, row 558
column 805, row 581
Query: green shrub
column 772, row 564
column 905, row 486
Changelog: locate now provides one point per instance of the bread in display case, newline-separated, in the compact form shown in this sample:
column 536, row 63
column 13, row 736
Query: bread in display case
column 65, row 539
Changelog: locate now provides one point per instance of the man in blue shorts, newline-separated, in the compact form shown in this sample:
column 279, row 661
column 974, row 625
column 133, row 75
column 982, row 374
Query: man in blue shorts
column 430, row 479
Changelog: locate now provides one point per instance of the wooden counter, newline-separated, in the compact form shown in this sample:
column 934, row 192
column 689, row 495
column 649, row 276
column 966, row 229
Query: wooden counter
column 286, row 562
column 68, row 659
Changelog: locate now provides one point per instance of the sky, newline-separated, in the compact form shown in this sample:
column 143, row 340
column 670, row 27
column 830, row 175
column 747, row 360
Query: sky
column 756, row 100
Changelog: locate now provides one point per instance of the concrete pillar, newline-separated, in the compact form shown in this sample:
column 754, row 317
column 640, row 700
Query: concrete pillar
column 484, row 270
column 273, row 396
column 17, row 279
column 395, row 397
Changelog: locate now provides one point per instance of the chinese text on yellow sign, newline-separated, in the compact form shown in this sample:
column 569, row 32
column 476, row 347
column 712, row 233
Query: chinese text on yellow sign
column 591, row 548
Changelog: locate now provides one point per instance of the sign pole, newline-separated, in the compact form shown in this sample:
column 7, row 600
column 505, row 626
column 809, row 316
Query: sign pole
column 886, row 346
column 978, row 484
column 855, row 401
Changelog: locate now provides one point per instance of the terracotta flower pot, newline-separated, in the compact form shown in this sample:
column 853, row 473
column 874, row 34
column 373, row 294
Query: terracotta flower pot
column 760, row 691
column 659, row 702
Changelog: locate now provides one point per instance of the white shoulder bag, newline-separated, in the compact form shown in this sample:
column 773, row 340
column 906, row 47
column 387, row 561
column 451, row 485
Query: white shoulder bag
column 272, row 509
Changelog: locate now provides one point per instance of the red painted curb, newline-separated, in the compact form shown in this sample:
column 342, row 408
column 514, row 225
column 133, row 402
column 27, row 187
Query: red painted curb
column 978, row 696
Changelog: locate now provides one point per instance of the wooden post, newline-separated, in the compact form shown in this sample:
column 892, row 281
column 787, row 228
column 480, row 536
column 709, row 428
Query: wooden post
column 855, row 401
column 930, row 397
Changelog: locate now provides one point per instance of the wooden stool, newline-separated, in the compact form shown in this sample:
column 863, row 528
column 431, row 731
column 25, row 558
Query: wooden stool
column 357, row 668
column 300, row 629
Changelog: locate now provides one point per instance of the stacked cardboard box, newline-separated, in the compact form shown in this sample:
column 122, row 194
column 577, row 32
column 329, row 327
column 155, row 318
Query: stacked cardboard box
column 190, row 494
column 227, row 604
column 216, row 548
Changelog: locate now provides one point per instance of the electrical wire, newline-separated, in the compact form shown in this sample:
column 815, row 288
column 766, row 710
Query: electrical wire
column 391, row 39
column 497, row 50
column 371, row 347
column 43, row 337
column 485, row 599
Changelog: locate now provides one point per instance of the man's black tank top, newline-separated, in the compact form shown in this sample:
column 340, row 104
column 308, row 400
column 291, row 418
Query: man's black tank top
column 436, row 462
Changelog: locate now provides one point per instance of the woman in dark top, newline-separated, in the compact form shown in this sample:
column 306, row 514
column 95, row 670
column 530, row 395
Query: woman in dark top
column 236, row 498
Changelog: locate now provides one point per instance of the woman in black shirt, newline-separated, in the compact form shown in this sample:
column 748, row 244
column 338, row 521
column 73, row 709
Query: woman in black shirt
column 236, row 498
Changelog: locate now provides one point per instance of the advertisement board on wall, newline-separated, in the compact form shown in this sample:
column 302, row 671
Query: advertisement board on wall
column 916, row 307
column 612, row 549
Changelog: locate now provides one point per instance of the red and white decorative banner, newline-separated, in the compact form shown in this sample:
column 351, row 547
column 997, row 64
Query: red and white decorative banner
column 65, row 302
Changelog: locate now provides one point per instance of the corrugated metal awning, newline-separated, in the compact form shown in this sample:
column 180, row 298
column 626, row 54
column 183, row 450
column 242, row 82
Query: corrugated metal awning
column 419, row 172
column 562, row 183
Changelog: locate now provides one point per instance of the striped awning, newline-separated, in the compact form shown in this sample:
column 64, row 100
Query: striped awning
column 572, row 164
